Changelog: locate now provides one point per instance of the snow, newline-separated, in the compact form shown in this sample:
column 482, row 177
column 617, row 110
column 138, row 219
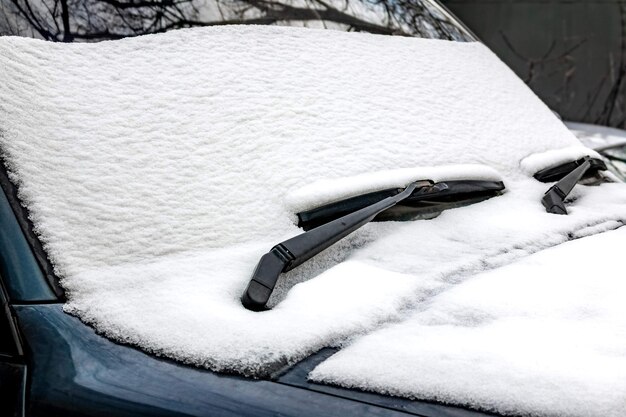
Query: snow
column 328, row 191
column 157, row 170
column 542, row 336
column 541, row 160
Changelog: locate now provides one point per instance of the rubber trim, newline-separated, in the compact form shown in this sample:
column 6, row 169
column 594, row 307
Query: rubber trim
column 22, row 215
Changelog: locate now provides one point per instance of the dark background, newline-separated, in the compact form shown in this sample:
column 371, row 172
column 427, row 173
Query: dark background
column 572, row 53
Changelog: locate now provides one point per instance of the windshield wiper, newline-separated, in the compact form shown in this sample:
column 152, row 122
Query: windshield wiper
column 293, row 252
column 426, row 203
column 556, row 173
column 553, row 199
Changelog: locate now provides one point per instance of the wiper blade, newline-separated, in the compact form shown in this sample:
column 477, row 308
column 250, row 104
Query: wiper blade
column 553, row 199
column 293, row 252
column 556, row 173
column 439, row 197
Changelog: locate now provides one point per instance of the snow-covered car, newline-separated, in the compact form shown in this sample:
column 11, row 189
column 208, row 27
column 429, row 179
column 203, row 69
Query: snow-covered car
column 189, row 228
column 609, row 142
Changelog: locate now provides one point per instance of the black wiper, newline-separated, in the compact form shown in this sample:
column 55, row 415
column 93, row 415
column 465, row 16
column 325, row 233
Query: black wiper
column 439, row 197
column 293, row 252
column 556, row 173
column 553, row 198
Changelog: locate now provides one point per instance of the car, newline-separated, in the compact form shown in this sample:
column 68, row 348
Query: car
column 144, row 179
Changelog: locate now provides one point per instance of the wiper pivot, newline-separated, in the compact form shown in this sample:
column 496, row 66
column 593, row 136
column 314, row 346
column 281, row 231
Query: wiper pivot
column 553, row 199
column 292, row 252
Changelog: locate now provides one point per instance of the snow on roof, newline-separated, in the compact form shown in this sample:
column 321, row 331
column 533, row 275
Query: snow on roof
column 157, row 170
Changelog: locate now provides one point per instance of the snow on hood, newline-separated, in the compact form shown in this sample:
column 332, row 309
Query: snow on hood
column 546, row 333
column 157, row 170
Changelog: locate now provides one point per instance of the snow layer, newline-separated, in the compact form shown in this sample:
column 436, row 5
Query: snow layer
column 538, row 161
column 374, row 276
column 543, row 336
column 157, row 170
column 328, row 191
column 179, row 134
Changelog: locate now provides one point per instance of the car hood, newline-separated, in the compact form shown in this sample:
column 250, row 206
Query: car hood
column 525, row 323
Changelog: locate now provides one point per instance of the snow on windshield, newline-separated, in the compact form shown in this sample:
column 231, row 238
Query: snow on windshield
column 158, row 169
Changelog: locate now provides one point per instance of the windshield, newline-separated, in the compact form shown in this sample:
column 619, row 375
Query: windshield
column 94, row 20
column 405, row 17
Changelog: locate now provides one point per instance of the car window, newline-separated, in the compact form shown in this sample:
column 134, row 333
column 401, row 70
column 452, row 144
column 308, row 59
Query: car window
column 95, row 20
column 419, row 18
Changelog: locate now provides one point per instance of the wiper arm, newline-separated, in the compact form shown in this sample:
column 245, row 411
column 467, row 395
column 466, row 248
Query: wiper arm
column 292, row 252
column 553, row 198
column 328, row 224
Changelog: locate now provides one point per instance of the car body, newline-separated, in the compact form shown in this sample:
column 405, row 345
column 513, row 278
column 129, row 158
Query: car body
column 54, row 364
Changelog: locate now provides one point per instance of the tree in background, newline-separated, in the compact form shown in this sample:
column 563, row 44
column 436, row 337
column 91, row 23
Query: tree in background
column 606, row 104
column 92, row 20
column 572, row 54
